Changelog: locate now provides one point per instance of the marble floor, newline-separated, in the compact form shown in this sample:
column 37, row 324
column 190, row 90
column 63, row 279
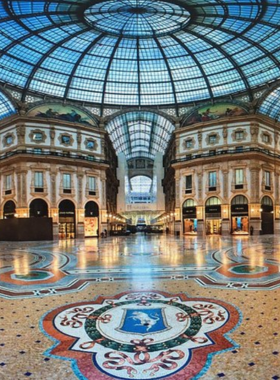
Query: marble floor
column 141, row 307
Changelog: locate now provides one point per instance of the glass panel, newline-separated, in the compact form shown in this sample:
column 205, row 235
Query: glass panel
column 213, row 201
column 38, row 179
column 212, row 179
column 239, row 176
column 140, row 134
column 66, row 181
column 8, row 182
column 91, row 183
column 139, row 52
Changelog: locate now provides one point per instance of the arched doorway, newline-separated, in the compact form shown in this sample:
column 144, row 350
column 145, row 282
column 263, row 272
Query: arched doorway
column 91, row 219
column 267, row 215
column 213, row 216
column 9, row 210
column 189, row 217
column 67, row 220
column 239, row 215
column 38, row 208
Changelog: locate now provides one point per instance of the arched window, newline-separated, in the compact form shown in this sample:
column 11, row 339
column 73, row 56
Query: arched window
column 141, row 184
column 213, row 201
column 239, row 200
column 189, row 203
column 9, row 209
column 267, row 201
column 141, row 189
column 38, row 208
column 91, row 209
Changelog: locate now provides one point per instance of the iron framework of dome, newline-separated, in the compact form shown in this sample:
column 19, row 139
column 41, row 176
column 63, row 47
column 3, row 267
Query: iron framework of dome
column 139, row 52
column 140, row 134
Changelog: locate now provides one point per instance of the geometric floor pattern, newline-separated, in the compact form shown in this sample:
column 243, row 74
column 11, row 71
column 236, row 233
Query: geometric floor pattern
column 141, row 307
column 41, row 269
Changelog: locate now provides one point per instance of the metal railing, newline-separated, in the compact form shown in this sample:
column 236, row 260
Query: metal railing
column 225, row 151
column 49, row 153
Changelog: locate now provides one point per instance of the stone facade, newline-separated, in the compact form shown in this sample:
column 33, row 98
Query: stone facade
column 35, row 150
column 226, row 158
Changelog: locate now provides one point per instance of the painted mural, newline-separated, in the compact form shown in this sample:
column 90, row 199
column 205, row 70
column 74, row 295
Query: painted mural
column 213, row 112
column 62, row 112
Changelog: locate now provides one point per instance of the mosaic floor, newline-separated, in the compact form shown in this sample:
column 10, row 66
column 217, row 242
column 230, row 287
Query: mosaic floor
column 141, row 307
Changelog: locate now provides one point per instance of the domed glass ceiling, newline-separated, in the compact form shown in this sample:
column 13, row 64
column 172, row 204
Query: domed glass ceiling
column 140, row 134
column 6, row 107
column 139, row 52
column 271, row 105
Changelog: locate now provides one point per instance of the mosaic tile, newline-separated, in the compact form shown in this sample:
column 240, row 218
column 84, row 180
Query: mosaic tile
column 258, row 303
column 141, row 335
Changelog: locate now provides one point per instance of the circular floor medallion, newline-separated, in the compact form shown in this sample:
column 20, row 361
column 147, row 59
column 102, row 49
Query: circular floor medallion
column 145, row 335
column 248, row 269
column 33, row 275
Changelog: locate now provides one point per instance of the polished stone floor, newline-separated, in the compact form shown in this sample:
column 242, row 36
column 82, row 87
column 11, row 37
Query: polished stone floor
column 141, row 307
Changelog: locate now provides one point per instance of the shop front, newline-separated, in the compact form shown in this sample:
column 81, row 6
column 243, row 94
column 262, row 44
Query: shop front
column 67, row 228
column 91, row 219
column 38, row 208
column 267, row 215
column 9, row 210
column 239, row 215
column 213, row 216
column 189, row 217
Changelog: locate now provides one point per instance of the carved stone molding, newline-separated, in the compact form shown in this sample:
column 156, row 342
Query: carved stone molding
column 91, row 144
column 242, row 134
column 8, row 139
column 66, row 139
column 38, row 136
column 210, row 138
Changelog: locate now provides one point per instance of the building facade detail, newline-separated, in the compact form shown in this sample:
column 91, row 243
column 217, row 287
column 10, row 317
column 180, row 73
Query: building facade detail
column 240, row 170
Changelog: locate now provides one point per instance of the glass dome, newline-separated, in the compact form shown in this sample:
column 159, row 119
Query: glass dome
column 140, row 134
column 271, row 105
column 139, row 52
column 6, row 107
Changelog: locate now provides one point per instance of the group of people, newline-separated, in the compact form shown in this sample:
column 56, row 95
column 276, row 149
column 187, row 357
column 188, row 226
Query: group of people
column 104, row 234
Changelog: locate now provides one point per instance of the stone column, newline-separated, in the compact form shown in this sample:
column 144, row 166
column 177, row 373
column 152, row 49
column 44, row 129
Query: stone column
column 79, row 140
column 225, row 135
column 255, row 216
column 199, row 186
column 21, row 136
column 177, row 189
column 22, row 209
column 80, row 230
column 254, row 130
column 255, row 183
column 53, row 176
column 277, row 204
column 54, row 211
column 52, row 137
column 199, row 139
column 225, row 184
column 103, row 223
